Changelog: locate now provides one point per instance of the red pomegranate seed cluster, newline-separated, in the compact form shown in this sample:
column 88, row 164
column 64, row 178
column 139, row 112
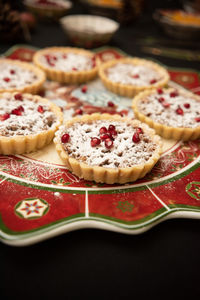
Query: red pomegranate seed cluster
column 107, row 135
column 165, row 104
column 179, row 110
column 8, row 79
column 162, row 99
column 18, row 111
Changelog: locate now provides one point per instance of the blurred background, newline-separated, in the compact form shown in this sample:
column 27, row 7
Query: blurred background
column 175, row 23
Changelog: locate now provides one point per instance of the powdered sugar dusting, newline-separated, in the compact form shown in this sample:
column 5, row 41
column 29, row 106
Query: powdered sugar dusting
column 31, row 121
column 124, row 153
column 67, row 61
column 138, row 75
column 156, row 110
column 14, row 76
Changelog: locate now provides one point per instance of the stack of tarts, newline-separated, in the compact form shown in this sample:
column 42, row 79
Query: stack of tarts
column 100, row 147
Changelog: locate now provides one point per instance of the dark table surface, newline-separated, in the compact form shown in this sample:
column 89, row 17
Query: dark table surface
column 162, row 263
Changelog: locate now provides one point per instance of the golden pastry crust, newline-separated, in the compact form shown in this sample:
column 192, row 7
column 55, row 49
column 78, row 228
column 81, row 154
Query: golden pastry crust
column 66, row 76
column 19, row 144
column 103, row 174
column 33, row 87
column 131, row 90
column 168, row 132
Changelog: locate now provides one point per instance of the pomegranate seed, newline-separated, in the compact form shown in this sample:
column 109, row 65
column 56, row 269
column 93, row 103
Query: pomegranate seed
column 95, row 141
column 49, row 58
column 103, row 130
column 111, row 127
column 65, row 138
column 4, row 117
column 161, row 99
column 187, row 105
column 173, row 94
column 123, row 112
column 6, row 79
column 40, row 109
column 160, row 91
column 136, row 137
column 136, row 76
column 111, row 104
column 112, row 130
column 74, row 69
column 64, row 56
column 12, row 72
column 197, row 119
column 84, row 89
column 79, row 111
column 18, row 97
column 18, row 111
column 54, row 57
column 139, row 130
column 108, row 143
column 179, row 111
column 105, row 136
column 166, row 104
column 153, row 81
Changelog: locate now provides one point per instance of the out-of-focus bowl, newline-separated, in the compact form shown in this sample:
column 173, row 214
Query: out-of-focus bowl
column 176, row 29
column 89, row 31
column 48, row 9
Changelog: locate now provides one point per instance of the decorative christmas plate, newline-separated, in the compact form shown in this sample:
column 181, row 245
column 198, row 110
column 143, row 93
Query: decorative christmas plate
column 40, row 198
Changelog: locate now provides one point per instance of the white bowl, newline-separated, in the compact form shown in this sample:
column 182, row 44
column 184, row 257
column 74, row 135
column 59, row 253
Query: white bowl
column 88, row 31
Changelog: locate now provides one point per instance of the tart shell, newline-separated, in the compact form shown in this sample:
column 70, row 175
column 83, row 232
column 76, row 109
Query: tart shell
column 32, row 88
column 72, row 77
column 168, row 132
column 131, row 90
column 24, row 144
column 103, row 174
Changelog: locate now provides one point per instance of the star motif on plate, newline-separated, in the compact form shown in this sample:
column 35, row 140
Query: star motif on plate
column 31, row 208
